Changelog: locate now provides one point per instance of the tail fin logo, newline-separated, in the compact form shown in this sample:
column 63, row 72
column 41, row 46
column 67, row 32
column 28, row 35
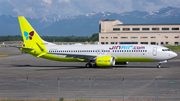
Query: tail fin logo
column 29, row 35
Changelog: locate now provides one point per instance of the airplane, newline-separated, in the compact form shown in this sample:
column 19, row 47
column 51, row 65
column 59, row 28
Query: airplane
column 94, row 55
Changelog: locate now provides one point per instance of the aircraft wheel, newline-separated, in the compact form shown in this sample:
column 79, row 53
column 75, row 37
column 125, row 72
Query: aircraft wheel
column 94, row 65
column 159, row 66
column 88, row 65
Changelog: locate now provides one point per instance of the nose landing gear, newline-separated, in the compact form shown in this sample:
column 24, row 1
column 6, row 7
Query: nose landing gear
column 159, row 65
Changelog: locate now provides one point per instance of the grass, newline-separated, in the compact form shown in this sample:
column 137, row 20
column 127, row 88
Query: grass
column 26, row 100
column 4, row 55
column 174, row 48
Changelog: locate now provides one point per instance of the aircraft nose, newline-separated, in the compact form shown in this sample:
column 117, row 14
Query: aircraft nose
column 173, row 54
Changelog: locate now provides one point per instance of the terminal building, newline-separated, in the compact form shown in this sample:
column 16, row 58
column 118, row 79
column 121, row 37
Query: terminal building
column 115, row 32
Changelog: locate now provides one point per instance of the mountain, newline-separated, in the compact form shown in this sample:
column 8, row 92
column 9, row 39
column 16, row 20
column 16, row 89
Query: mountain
column 86, row 25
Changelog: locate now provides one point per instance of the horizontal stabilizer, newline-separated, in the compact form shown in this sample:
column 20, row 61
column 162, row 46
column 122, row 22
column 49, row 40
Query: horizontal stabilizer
column 26, row 48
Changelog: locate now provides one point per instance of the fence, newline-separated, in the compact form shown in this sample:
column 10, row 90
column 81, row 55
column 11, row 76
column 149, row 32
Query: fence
column 121, row 89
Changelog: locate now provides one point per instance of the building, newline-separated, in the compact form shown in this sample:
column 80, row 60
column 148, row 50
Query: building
column 115, row 32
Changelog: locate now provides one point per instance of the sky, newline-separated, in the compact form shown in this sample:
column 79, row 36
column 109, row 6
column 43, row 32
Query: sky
column 40, row 8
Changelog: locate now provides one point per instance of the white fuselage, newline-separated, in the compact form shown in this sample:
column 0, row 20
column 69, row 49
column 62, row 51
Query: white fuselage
column 157, row 53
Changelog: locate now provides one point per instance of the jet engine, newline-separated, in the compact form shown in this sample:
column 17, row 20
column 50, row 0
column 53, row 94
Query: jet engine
column 105, row 61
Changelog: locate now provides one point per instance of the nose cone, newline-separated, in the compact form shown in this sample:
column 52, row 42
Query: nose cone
column 173, row 54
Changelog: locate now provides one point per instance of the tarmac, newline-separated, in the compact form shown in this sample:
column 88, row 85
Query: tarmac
column 77, row 82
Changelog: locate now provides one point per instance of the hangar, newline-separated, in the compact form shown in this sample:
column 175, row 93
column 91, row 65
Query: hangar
column 115, row 32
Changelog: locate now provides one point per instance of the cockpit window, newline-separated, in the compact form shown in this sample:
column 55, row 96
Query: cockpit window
column 165, row 49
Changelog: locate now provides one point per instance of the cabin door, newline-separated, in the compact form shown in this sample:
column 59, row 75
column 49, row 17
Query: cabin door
column 154, row 52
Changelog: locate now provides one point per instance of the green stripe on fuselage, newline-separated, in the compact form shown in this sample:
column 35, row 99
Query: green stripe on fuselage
column 133, row 59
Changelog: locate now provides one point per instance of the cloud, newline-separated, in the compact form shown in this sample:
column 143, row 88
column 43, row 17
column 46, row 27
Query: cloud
column 30, row 11
column 47, row 1
column 39, row 8
column 16, row 10
column 67, row 1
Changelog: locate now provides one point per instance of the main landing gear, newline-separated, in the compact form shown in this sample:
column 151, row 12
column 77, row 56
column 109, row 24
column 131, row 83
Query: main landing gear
column 89, row 65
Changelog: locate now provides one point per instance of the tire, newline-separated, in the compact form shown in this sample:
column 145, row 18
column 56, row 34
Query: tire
column 158, row 66
column 94, row 65
column 88, row 65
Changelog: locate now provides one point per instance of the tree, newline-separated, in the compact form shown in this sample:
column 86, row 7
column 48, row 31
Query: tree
column 95, row 37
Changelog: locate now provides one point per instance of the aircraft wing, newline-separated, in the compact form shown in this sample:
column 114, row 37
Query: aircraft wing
column 80, row 56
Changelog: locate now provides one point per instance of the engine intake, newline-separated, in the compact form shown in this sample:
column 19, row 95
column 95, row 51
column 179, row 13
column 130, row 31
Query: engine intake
column 105, row 61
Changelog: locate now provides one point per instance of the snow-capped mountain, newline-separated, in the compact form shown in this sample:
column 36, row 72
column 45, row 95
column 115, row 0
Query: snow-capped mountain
column 54, row 17
column 85, row 25
column 162, row 12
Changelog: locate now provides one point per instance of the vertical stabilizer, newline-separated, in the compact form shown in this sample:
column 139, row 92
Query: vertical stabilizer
column 29, row 35
column 33, row 43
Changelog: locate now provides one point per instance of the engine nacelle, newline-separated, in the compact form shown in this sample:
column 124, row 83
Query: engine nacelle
column 105, row 61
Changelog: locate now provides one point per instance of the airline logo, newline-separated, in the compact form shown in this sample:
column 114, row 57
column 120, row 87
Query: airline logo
column 127, row 47
column 29, row 35
column 104, row 61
